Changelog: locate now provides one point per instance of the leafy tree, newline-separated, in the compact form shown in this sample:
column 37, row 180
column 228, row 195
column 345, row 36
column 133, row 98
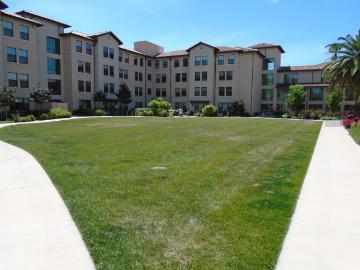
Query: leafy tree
column 40, row 95
column 334, row 99
column 343, row 72
column 209, row 110
column 7, row 98
column 99, row 97
column 296, row 97
column 124, row 96
column 237, row 108
column 159, row 106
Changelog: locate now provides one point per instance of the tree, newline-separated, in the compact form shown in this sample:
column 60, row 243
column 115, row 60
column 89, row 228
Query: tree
column 209, row 110
column 7, row 98
column 237, row 108
column 334, row 99
column 296, row 97
column 99, row 97
column 159, row 107
column 40, row 95
column 343, row 72
column 124, row 96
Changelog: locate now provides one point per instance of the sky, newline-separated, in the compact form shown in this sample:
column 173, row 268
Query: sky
column 302, row 27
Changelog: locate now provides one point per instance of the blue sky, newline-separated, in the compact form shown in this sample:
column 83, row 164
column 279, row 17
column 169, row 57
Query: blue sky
column 302, row 27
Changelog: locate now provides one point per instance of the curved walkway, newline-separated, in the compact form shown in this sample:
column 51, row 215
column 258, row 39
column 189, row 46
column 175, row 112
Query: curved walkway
column 324, row 233
column 36, row 229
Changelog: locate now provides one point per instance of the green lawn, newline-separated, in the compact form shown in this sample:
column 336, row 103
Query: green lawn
column 355, row 133
column 224, row 200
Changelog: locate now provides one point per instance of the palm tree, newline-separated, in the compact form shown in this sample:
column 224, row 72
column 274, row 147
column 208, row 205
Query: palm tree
column 343, row 72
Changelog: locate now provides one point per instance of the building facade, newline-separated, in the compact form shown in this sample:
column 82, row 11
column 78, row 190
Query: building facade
column 36, row 50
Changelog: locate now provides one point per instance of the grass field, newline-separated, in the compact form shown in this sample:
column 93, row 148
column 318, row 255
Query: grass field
column 355, row 133
column 223, row 201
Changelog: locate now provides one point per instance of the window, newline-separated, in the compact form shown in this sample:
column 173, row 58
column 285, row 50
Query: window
column 158, row 78
column 269, row 64
column 105, row 52
column 197, row 91
column 157, row 64
column 135, row 61
column 185, row 62
column 126, row 74
column 149, row 91
column 11, row 54
column 24, row 32
column 221, row 59
column 204, row 76
column 88, row 47
column 163, row 92
column 136, row 76
column 85, row 104
column 316, row 94
column 228, row 91
column 80, row 66
column 81, row 86
column 163, row 78
column 291, row 78
column 88, row 86
column 140, row 76
column 158, row 92
column 224, row 107
column 8, row 28
column 180, row 105
column 55, row 86
column 138, row 104
column 88, row 67
column 221, row 91
column 127, row 56
column 23, row 56
column 106, row 70
column 165, row 63
column 78, row 46
column 267, row 94
column 231, row 59
column 268, row 79
column 120, row 56
column 106, row 88
column 149, row 77
column 176, row 63
column 149, row 63
column 282, row 94
column 141, row 62
column 203, row 91
column 197, row 76
column 177, row 92
column 112, row 88
column 197, row 60
column 138, row 91
column 24, row 80
column 12, row 79
column 53, row 66
column 121, row 73
column 53, row 45
column 229, row 75
column 178, row 77
column 183, row 92
column 184, row 77
column 222, row 75
column 111, row 53
column 112, row 72
column 204, row 60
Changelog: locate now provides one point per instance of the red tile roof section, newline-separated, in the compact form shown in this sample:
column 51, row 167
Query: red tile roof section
column 317, row 67
column 267, row 45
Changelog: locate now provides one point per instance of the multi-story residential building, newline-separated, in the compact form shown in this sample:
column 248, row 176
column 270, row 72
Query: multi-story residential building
column 36, row 50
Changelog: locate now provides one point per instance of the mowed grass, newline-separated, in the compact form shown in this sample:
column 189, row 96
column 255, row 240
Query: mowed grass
column 355, row 133
column 224, row 200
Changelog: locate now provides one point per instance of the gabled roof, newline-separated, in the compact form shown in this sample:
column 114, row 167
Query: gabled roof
column 96, row 35
column 3, row 5
column 317, row 67
column 173, row 53
column 16, row 16
column 267, row 45
column 77, row 34
column 132, row 51
column 36, row 15
column 202, row 43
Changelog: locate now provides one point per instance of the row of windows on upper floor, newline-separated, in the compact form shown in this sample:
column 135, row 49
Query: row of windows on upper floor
column 314, row 94
column 17, row 55
column 269, row 79
column 8, row 30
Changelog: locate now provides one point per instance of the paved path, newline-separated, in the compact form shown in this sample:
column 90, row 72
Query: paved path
column 36, row 229
column 325, row 230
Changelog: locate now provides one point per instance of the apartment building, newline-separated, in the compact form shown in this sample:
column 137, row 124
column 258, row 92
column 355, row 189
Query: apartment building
column 38, row 50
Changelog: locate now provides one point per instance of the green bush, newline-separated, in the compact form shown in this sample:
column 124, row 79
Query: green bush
column 163, row 113
column 58, row 113
column 147, row 112
column 209, row 111
column 157, row 106
column 98, row 112
column 44, row 116
column 28, row 118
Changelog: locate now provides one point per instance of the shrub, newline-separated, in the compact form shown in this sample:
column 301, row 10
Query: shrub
column 147, row 112
column 296, row 98
column 163, row 113
column 28, row 118
column 98, row 112
column 238, row 108
column 334, row 99
column 209, row 111
column 44, row 116
column 58, row 113
column 159, row 105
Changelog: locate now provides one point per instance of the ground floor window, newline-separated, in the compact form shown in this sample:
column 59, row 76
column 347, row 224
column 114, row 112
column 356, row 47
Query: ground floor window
column 267, row 94
column 280, row 107
column 199, row 105
column 55, row 86
column 85, row 104
column 138, row 105
column 266, row 108
column 224, row 107
column 180, row 105
column 282, row 94
column 21, row 105
column 316, row 94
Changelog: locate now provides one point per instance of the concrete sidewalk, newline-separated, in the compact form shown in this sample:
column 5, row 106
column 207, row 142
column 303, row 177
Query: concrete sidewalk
column 36, row 229
column 325, row 228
